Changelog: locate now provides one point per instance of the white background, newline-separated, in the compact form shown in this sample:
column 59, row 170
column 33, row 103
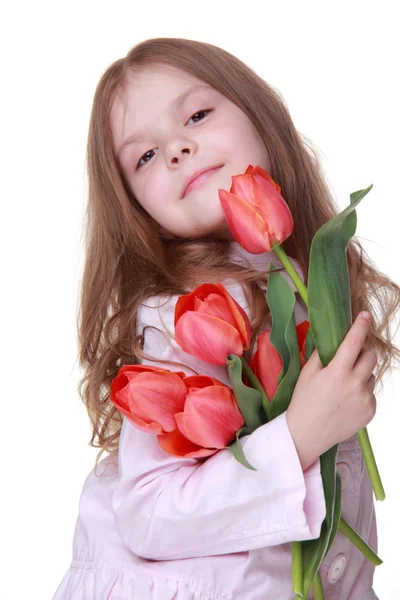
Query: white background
column 336, row 64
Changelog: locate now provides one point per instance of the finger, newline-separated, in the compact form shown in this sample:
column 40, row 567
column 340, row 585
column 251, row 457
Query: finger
column 371, row 382
column 352, row 344
column 373, row 402
column 314, row 363
column 365, row 363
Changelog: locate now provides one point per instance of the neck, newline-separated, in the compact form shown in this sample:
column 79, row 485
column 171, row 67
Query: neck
column 261, row 261
column 258, row 261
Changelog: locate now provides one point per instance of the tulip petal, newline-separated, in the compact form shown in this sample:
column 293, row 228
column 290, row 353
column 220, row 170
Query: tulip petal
column 214, row 300
column 226, row 308
column 188, row 301
column 176, row 444
column 155, row 398
column 207, row 337
column 129, row 372
column 126, row 374
column 217, row 306
column 267, row 364
column 241, row 187
column 266, row 176
column 301, row 330
column 200, row 381
column 211, row 417
column 121, row 399
column 247, row 225
column 151, row 427
column 273, row 209
column 242, row 184
column 132, row 369
column 242, row 322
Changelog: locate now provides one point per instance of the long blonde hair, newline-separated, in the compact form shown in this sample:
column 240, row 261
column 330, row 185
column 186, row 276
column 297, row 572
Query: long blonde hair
column 127, row 259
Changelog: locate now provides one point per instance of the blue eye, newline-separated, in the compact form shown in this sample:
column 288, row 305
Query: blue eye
column 200, row 112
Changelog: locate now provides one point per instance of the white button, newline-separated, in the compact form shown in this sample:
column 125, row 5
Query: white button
column 344, row 473
column 336, row 569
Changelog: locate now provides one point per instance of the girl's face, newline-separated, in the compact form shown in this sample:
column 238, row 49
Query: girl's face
column 168, row 125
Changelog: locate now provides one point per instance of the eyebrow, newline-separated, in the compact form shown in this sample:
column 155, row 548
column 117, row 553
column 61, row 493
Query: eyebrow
column 178, row 101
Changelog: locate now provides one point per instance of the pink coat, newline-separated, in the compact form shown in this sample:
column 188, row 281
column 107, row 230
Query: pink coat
column 155, row 527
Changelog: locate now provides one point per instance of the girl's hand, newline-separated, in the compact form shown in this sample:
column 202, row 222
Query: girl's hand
column 330, row 404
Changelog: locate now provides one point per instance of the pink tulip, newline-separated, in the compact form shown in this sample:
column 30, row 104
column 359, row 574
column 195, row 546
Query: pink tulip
column 210, row 324
column 255, row 211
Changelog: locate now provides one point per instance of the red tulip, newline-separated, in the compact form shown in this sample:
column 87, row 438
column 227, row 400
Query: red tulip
column 267, row 363
column 255, row 211
column 208, row 422
column 302, row 330
column 210, row 324
column 192, row 416
column 149, row 397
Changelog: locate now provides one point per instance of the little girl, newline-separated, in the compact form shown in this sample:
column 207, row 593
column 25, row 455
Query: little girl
column 152, row 526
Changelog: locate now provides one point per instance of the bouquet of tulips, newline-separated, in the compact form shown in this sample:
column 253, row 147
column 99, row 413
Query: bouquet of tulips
column 196, row 416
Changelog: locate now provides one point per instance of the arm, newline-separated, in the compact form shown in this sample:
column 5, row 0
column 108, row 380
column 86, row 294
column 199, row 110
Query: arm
column 168, row 508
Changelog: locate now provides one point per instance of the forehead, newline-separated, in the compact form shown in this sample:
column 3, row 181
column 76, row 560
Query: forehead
column 145, row 95
column 150, row 80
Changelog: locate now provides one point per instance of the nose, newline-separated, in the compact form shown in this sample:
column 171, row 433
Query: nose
column 176, row 149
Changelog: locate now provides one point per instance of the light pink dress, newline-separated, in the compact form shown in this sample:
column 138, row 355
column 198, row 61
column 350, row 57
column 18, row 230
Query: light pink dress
column 155, row 527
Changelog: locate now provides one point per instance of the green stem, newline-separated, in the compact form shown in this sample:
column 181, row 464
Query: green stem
column 370, row 463
column 257, row 386
column 297, row 569
column 291, row 271
column 318, row 590
column 363, row 437
column 359, row 542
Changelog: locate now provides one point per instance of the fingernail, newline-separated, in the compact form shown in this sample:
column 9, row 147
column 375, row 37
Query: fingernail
column 366, row 315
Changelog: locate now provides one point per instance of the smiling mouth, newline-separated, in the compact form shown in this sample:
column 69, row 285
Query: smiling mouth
column 200, row 180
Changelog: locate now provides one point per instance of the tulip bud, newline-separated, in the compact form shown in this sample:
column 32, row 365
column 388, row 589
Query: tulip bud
column 255, row 211
column 210, row 324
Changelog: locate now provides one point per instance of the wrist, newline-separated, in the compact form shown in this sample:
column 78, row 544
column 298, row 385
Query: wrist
column 307, row 450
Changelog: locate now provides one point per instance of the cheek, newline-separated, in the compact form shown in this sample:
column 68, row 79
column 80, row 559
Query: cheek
column 253, row 146
column 149, row 190
column 237, row 133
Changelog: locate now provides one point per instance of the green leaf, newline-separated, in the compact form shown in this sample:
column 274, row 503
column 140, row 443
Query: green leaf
column 310, row 344
column 329, row 306
column 314, row 551
column 282, row 301
column 242, row 432
column 337, row 512
column 237, row 449
column 329, row 311
column 248, row 399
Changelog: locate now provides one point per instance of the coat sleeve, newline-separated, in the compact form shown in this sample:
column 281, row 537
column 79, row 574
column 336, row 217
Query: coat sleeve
column 169, row 508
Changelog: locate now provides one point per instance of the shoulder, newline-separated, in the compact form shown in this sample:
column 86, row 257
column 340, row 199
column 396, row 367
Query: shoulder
column 155, row 322
column 156, row 311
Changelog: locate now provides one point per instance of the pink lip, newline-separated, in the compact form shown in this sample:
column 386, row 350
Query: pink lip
column 197, row 178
